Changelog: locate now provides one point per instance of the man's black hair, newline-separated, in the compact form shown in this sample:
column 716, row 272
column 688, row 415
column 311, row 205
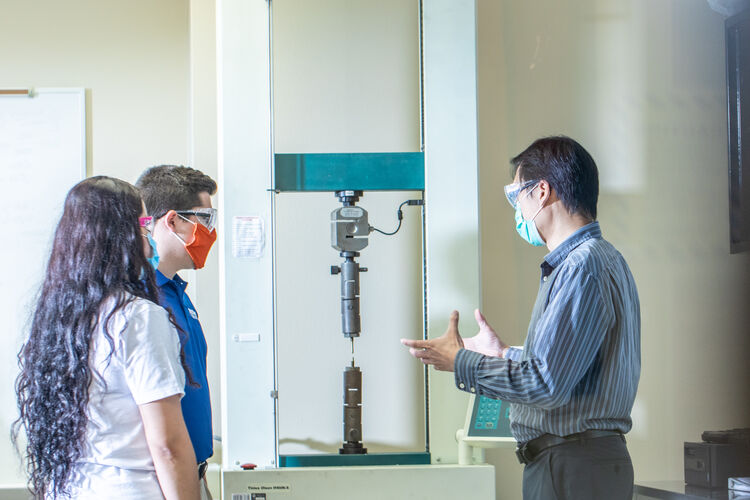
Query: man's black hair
column 172, row 187
column 567, row 167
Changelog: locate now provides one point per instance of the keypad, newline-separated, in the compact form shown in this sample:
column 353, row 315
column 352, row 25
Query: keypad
column 488, row 413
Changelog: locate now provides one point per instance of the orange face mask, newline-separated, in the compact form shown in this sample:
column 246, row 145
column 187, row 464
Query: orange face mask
column 200, row 245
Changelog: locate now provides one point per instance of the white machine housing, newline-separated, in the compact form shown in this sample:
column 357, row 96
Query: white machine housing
column 248, row 348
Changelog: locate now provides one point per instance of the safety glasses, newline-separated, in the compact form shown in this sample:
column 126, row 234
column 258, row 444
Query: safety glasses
column 512, row 191
column 206, row 216
column 146, row 222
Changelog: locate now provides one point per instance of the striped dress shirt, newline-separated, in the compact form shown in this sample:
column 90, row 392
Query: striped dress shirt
column 581, row 361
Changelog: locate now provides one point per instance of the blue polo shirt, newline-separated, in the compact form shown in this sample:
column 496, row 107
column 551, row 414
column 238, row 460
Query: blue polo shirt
column 196, row 404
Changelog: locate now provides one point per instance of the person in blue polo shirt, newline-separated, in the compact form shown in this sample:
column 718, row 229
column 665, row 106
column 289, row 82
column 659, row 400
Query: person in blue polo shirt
column 184, row 229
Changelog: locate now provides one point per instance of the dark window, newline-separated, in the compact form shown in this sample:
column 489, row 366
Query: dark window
column 738, row 108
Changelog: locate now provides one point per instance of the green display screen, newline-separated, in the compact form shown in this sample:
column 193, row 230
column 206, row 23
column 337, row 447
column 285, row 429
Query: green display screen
column 490, row 418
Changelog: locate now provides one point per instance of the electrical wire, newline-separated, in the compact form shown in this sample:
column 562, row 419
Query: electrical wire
column 400, row 215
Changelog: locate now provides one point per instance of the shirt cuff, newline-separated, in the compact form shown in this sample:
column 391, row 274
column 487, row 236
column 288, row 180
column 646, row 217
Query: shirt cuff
column 465, row 370
column 513, row 354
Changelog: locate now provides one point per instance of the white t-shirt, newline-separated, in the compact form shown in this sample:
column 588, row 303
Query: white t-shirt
column 144, row 367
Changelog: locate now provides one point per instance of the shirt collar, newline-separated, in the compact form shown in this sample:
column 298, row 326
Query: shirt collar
column 162, row 280
column 559, row 254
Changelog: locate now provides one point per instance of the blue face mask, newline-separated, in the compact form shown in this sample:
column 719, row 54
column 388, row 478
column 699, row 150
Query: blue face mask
column 154, row 259
column 527, row 228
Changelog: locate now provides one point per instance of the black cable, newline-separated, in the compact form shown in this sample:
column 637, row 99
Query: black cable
column 400, row 215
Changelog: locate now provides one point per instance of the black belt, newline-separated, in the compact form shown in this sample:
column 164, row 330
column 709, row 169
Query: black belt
column 528, row 451
column 202, row 469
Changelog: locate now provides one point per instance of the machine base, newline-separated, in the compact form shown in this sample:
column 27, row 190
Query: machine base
column 415, row 482
column 339, row 460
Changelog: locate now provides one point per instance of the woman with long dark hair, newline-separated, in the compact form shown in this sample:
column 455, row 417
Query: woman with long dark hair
column 101, row 377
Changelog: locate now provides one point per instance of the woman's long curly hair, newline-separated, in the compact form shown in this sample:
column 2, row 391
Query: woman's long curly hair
column 97, row 255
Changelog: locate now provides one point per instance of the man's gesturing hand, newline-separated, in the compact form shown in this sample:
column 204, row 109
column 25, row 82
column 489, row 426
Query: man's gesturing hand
column 440, row 352
column 486, row 341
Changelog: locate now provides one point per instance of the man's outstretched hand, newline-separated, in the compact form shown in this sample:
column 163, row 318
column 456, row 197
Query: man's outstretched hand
column 486, row 340
column 440, row 352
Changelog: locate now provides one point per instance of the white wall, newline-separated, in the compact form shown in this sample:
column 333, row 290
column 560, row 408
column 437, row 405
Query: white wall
column 642, row 85
column 133, row 59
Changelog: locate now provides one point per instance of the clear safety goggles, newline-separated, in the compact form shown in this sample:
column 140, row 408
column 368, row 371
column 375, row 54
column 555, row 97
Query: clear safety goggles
column 512, row 191
column 206, row 216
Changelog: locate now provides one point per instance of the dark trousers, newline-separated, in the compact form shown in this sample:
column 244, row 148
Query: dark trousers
column 590, row 469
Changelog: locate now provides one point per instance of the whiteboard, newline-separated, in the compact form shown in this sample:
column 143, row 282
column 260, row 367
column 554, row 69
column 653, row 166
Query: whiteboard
column 42, row 155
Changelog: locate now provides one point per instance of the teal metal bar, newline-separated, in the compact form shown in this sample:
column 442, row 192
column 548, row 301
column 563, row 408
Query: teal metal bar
column 349, row 171
column 336, row 460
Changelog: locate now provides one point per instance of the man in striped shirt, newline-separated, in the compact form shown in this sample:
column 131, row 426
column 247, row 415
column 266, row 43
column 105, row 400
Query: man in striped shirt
column 573, row 384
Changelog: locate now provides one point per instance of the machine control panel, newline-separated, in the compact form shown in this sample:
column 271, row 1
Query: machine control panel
column 489, row 418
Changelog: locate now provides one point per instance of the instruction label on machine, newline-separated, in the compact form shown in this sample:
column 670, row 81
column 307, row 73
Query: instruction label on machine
column 267, row 490
column 248, row 237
